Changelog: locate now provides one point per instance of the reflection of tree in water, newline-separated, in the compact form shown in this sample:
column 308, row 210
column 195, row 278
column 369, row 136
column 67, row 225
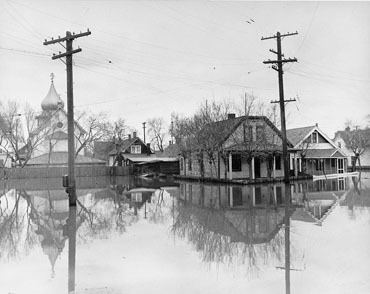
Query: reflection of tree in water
column 157, row 211
column 228, row 237
column 103, row 217
column 16, row 228
column 358, row 197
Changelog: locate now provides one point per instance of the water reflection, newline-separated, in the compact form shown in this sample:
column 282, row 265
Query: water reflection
column 225, row 223
column 242, row 225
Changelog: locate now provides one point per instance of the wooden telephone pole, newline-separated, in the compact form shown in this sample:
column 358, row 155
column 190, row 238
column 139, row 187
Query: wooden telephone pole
column 279, row 68
column 71, row 189
column 279, row 62
column 144, row 130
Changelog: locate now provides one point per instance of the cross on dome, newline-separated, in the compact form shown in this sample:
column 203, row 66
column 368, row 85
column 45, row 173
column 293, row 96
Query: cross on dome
column 52, row 101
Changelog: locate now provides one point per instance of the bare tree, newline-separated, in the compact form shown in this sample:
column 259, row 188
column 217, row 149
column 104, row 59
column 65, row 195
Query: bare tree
column 96, row 127
column 157, row 130
column 357, row 140
column 20, row 131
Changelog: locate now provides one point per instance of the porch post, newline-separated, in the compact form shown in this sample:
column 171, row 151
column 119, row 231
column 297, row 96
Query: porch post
column 231, row 197
column 230, row 166
column 253, row 195
column 295, row 164
column 252, row 163
column 273, row 167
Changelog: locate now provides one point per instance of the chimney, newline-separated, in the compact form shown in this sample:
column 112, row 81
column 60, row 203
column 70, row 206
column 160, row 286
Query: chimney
column 134, row 134
column 129, row 136
column 230, row 115
column 148, row 148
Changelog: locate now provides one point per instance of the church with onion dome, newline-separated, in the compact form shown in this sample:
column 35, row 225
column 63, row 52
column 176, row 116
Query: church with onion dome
column 52, row 131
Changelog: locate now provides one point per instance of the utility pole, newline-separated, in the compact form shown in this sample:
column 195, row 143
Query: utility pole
column 279, row 62
column 172, row 138
column 144, row 131
column 71, row 183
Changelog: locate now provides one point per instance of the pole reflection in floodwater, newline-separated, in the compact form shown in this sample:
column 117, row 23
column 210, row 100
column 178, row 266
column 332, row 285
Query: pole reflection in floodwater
column 287, row 238
column 72, row 227
column 245, row 228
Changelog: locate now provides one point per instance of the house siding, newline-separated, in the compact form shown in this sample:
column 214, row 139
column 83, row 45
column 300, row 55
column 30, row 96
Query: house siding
column 211, row 170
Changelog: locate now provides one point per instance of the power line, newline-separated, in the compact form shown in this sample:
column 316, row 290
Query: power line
column 24, row 51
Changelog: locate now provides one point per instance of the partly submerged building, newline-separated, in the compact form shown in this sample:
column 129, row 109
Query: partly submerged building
column 361, row 145
column 133, row 152
column 49, row 144
column 245, row 147
column 314, row 152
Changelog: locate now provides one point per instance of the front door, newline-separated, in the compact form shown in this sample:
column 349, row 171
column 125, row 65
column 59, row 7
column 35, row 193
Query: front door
column 340, row 165
column 257, row 167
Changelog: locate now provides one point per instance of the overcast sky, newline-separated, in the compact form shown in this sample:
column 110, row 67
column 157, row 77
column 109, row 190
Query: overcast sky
column 148, row 59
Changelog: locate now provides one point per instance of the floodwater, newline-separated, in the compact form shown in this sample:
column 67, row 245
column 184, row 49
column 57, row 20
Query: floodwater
column 130, row 235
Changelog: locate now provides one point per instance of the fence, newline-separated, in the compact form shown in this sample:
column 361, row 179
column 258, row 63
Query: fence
column 59, row 171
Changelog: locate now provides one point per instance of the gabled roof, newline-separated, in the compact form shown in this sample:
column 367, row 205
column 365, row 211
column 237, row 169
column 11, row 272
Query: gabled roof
column 365, row 133
column 298, row 134
column 323, row 153
column 125, row 144
column 225, row 128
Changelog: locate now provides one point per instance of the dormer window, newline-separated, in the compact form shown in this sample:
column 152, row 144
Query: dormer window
column 314, row 137
column 136, row 149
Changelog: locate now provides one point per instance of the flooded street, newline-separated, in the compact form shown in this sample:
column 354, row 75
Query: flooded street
column 133, row 235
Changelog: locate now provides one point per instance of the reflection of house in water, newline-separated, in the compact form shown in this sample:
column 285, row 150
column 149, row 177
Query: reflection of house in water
column 137, row 191
column 319, row 198
column 248, row 214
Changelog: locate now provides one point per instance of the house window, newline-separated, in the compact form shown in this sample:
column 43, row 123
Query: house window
column 333, row 160
column 314, row 137
column 182, row 163
column 278, row 162
column 136, row 149
column 189, row 164
column 248, row 133
column 319, row 164
column 237, row 162
column 260, row 133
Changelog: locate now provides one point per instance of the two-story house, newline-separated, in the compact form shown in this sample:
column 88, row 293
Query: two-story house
column 245, row 147
column 122, row 152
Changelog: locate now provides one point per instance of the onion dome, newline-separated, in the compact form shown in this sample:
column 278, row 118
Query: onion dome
column 52, row 101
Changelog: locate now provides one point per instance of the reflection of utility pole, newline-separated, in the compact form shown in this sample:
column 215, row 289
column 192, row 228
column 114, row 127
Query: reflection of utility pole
column 281, row 101
column 72, row 249
column 71, row 147
column 287, row 243
column 144, row 131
